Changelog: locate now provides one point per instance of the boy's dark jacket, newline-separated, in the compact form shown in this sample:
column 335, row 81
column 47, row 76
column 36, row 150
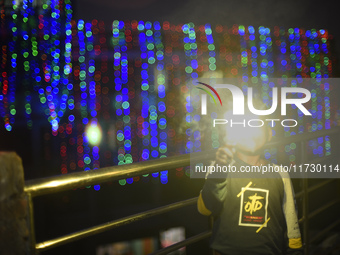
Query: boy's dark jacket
column 252, row 215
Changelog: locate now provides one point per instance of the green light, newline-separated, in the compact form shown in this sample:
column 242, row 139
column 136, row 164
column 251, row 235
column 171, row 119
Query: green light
column 122, row 182
column 151, row 60
column 87, row 160
column 125, row 105
column 126, row 119
column 145, row 87
column 188, row 69
column 150, row 46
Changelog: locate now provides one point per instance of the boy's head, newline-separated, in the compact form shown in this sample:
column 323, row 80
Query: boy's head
column 248, row 132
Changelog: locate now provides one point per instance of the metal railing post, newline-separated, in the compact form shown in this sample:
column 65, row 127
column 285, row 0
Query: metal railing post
column 305, row 202
column 211, row 224
column 31, row 224
column 14, row 226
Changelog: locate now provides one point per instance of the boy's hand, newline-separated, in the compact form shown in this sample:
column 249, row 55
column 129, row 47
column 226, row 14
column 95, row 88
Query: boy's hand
column 224, row 155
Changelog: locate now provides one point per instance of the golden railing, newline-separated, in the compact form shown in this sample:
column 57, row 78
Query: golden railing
column 50, row 185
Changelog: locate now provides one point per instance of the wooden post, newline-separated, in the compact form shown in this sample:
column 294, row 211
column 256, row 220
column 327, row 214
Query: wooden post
column 14, row 230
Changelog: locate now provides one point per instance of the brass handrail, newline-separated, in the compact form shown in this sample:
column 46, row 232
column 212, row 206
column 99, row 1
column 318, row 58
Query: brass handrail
column 315, row 187
column 325, row 231
column 323, row 208
column 54, row 184
column 112, row 224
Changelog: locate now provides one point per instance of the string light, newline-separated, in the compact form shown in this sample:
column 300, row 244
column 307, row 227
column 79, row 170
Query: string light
column 76, row 87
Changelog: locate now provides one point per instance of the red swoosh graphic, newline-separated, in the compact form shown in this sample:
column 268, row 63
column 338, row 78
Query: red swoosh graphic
column 213, row 90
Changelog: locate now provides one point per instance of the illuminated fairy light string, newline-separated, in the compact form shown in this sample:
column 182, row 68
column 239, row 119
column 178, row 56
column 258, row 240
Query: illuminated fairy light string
column 54, row 68
column 118, row 41
column 59, row 66
column 70, row 104
column 244, row 56
column 67, row 70
column 125, row 148
column 26, row 8
column 295, row 83
column 11, row 78
column 153, row 116
column 45, row 93
column 102, row 80
column 244, row 37
column 80, row 77
column 283, row 63
column 290, row 64
column 64, row 60
column 286, row 65
column 139, row 40
column 190, row 49
column 292, row 68
column 171, row 40
column 325, row 63
column 42, row 47
column 327, row 70
column 145, row 95
column 84, row 93
column 162, row 119
column 212, row 67
column 78, row 126
column 90, row 70
column 92, row 131
column 319, row 88
column 151, row 139
column 14, row 55
column 125, row 96
column 323, row 109
column 4, row 83
column 264, row 50
column 144, row 92
column 267, row 70
column 313, row 55
column 253, row 56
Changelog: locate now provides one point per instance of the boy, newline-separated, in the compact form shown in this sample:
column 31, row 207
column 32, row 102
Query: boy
column 253, row 214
